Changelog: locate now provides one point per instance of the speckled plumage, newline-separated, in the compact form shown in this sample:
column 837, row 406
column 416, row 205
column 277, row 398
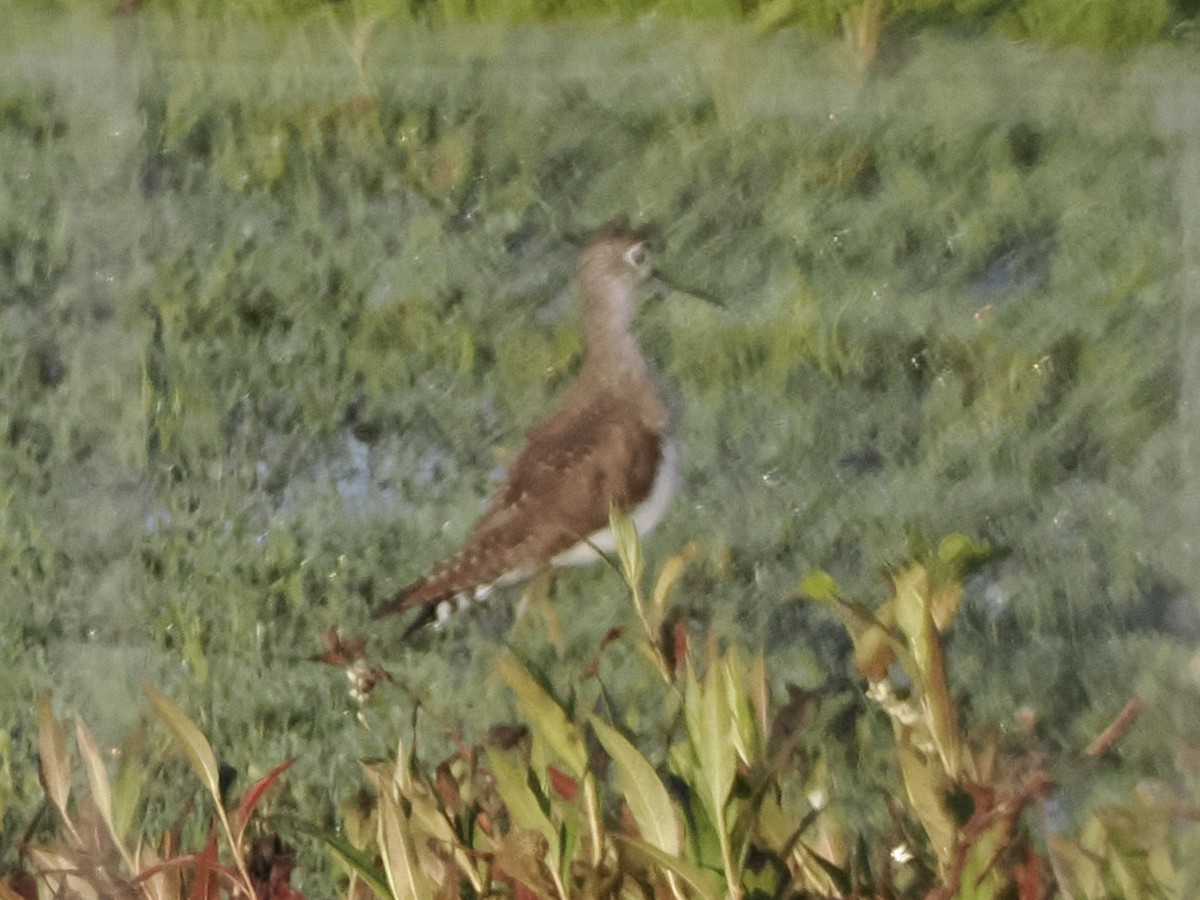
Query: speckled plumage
column 608, row 443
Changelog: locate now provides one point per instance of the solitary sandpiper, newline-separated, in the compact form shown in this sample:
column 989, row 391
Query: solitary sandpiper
column 609, row 444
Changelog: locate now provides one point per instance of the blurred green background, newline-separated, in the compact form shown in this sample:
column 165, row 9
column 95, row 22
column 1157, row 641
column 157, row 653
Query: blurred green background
column 282, row 285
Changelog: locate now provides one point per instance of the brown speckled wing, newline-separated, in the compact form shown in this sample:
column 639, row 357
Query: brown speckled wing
column 558, row 492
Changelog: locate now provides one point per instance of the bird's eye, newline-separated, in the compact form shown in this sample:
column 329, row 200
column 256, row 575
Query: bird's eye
column 638, row 255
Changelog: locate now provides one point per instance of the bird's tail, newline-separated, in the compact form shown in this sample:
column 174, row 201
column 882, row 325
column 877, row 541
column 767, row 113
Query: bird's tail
column 458, row 580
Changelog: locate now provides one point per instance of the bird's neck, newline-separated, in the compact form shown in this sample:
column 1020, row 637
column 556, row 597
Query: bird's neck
column 611, row 352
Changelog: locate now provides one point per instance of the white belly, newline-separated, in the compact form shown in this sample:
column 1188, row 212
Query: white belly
column 648, row 513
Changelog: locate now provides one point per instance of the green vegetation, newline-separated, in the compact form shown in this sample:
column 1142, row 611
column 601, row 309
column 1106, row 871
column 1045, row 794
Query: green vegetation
column 570, row 807
column 279, row 299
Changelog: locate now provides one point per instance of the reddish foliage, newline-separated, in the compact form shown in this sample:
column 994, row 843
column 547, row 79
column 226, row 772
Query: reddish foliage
column 1026, row 872
column 564, row 785
column 250, row 799
column 1032, row 876
column 680, row 649
column 448, row 791
column 206, row 884
column 341, row 653
column 22, row 884
column 270, row 865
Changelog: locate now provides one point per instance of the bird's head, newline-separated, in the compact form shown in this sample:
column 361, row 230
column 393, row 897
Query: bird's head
column 616, row 256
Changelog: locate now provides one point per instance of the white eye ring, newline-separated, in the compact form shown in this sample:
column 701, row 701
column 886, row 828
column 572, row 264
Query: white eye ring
column 638, row 255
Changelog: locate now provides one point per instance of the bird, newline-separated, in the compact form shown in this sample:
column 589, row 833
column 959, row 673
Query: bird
column 610, row 443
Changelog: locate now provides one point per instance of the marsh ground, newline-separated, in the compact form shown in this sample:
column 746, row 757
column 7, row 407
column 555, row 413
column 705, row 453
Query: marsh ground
column 277, row 303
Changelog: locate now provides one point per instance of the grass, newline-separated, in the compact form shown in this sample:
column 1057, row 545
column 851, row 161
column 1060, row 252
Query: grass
column 280, row 301
column 735, row 799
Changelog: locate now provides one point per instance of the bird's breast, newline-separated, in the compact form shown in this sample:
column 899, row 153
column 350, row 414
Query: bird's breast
column 645, row 515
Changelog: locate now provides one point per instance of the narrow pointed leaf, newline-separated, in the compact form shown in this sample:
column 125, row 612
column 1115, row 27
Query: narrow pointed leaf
column 940, row 713
column 759, row 690
column 629, row 547
column 519, row 859
column 924, row 789
column 402, row 773
column 668, row 577
column 1077, row 871
column 194, row 744
column 915, row 619
column 98, row 783
column 642, row 789
column 360, row 863
column 404, row 873
column 250, row 799
column 545, row 716
column 912, row 614
column 56, row 766
column 522, row 804
column 131, row 776
column 710, row 727
column 378, row 779
column 707, row 884
column 428, row 816
column 742, row 724
column 838, row 876
column 206, row 875
column 873, row 651
column 57, row 873
column 156, row 882
column 981, row 876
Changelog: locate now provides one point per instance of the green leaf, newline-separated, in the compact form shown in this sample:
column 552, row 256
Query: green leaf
column 758, row 691
column 52, row 747
column 429, row 818
column 959, row 550
column 402, row 771
column 1095, row 24
column 873, row 651
column 404, row 873
column 66, row 883
column 629, row 547
column 642, row 789
column 915, row 619
column 912, row 614
column 981, row 878
column 97, row 776
column 544, row 714
column 512, row 783
column 819, row 586
column 360, row 863
column 743, row 731
column 710, row 726
column 1078, row 872
column 195, row 745
column 707, row 884
column 131, row 776
column 924, row 784
column 710, row 729
column 668, row 577
column 703, row 845
column 571, row 842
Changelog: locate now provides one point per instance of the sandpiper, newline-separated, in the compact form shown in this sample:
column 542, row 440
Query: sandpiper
column 608, row 444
